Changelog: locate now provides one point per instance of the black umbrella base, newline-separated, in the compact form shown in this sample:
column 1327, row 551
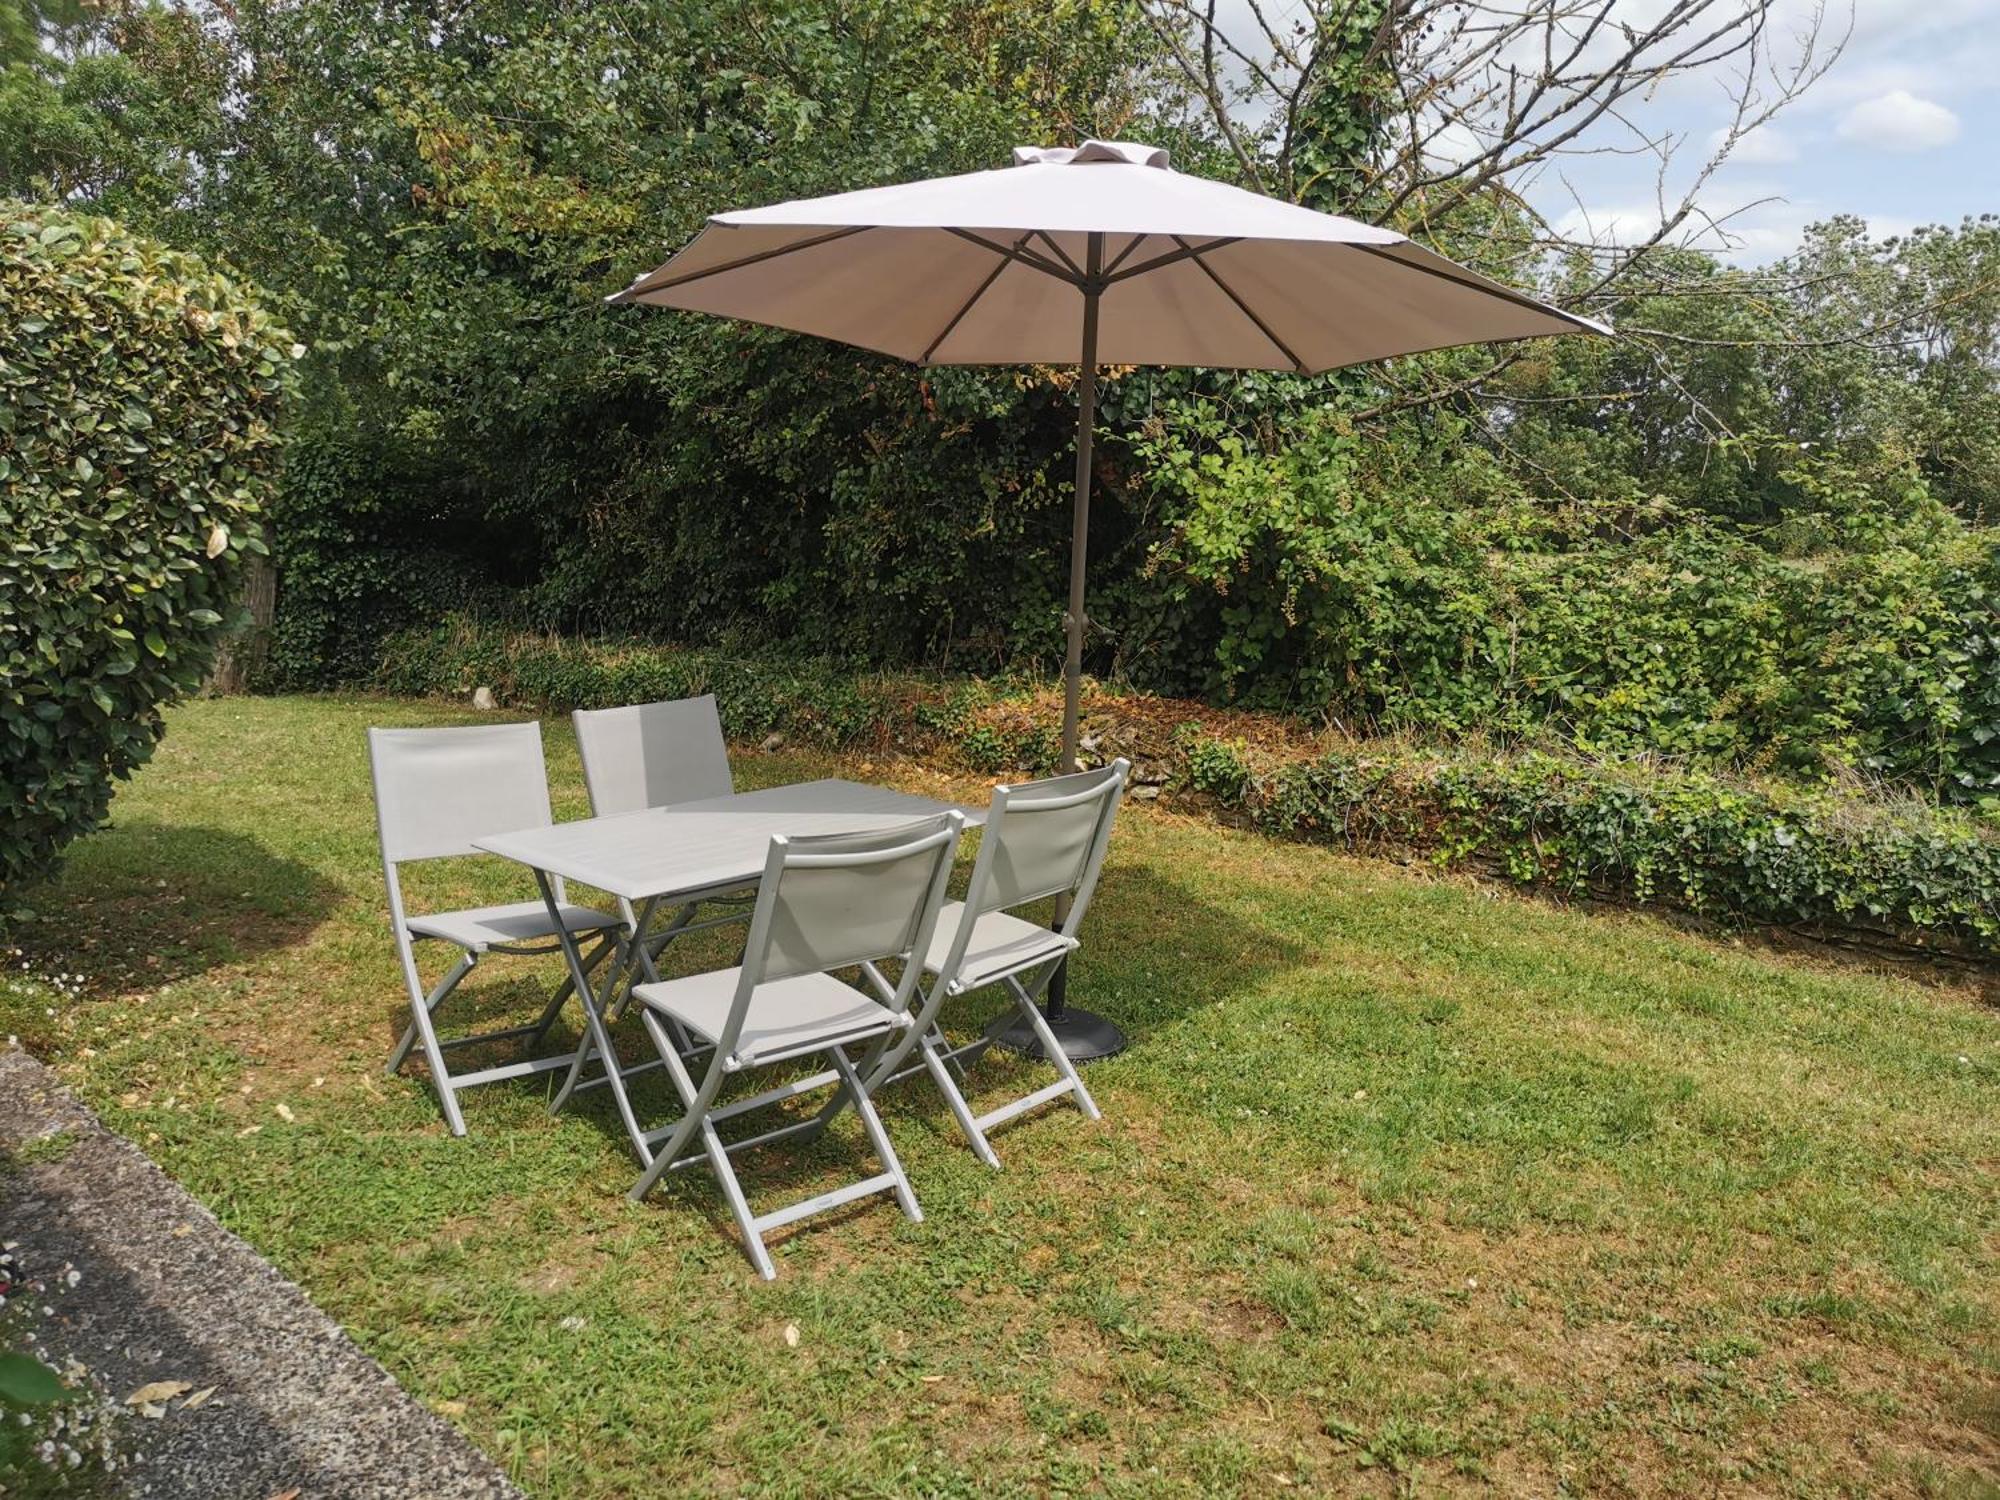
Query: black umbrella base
column 1086, row 1037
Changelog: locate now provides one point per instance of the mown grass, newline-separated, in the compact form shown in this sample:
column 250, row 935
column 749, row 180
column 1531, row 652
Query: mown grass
column 1404, row 1186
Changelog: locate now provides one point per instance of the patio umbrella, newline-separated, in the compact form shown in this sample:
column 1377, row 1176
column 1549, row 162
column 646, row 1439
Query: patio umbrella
column 1097, row 254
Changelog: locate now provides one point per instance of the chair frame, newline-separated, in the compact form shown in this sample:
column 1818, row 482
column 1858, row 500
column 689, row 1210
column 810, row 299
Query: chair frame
column 424, row 1003
column 926, row 1036
column 694, row 1140
column 598, row 783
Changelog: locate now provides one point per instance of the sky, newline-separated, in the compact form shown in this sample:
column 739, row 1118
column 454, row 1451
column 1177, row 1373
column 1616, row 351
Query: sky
column 1902, row 129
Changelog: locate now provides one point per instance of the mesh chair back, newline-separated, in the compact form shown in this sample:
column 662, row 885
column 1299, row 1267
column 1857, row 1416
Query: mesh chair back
column 436, row 790
column 1045, row 838
column 652, row 754
column 838, row 899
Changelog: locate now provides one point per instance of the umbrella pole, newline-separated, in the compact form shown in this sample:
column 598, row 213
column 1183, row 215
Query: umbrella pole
column 1084, row 1036
column 1079, row 532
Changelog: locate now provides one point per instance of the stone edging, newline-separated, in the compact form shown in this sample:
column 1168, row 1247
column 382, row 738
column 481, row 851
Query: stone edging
column 164, row 1293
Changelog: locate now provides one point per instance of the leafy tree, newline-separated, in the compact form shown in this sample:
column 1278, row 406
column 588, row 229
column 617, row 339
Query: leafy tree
column 1717, row 536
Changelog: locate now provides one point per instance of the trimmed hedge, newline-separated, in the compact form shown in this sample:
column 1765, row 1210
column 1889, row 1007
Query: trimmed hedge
column 1900, row 872
column 139, row 393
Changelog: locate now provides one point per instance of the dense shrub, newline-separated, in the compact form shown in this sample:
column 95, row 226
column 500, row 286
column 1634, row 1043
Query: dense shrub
column 139, row 393
column 362, row 555
column 809, row 700
column 1900, row 869
column 1859, row 637
column 1646, row 831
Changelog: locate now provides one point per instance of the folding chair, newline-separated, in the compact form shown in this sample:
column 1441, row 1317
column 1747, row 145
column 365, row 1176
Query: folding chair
column 1042, row 839
column 828, row 902
column 655, row 755
column 436, row 790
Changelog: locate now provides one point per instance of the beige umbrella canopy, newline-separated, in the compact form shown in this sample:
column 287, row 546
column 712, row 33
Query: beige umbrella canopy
column 1098, row 254
column 988, row 268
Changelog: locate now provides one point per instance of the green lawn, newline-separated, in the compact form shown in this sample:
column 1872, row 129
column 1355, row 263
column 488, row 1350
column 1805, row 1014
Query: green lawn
column 1405, row 1185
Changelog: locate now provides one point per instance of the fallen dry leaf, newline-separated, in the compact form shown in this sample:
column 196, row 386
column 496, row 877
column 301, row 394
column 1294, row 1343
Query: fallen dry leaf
column 158, row 1390
column 285, row 1114
column 198, row 1397
column 791, row 1335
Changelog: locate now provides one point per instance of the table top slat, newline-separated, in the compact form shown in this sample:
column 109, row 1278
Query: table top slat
column 700, row 845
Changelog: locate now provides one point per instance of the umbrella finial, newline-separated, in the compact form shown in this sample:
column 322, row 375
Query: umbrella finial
column 1124, row 153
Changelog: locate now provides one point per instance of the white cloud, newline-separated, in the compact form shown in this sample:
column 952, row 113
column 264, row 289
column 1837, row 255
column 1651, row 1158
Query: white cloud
column 1765, row 146
column 1452, row 145
column 1610, row 223
column 1899, row 121
column 1751, row 230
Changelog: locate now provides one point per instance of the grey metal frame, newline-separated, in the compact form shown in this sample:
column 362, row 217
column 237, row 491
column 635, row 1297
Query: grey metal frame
column 821, row 906
column 436, row 791
column 649, row 755
column 1031, row 832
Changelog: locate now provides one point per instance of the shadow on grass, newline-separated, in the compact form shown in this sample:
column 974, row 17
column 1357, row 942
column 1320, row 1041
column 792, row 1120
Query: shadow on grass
column 142, row 904
column 1155, row 950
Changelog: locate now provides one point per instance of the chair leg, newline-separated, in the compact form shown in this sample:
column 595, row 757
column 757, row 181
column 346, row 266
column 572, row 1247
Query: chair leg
column 960, row 1110
column 420, row 1021
column 956, row 1060
column 428, row 1005
column 694, row 1104
column 698, row 1124
column 877, row 1136
column 695, row 1122
column 454, row 1118
column 1053, row 1049
column 739, row 1206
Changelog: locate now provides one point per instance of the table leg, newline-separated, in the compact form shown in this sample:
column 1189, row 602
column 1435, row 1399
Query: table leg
column 594, row 1003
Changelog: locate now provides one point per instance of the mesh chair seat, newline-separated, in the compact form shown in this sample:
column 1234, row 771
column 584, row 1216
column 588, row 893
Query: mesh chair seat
column 1001, row 944
column 480, row 928
column 786, row 1016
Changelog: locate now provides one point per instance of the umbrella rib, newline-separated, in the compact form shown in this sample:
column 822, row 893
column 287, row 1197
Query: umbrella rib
column 1489, row 288
column 1186, row 252
column 1026, row 257
column 639, row 289
column 1043, row 235
column 1243, row 307
column 1119, row 259
column 957, row 317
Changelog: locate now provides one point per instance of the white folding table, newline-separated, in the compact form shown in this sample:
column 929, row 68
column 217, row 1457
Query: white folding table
column 674, row 853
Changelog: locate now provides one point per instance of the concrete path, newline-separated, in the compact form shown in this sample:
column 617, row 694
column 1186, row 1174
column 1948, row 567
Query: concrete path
column 165, row 1293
